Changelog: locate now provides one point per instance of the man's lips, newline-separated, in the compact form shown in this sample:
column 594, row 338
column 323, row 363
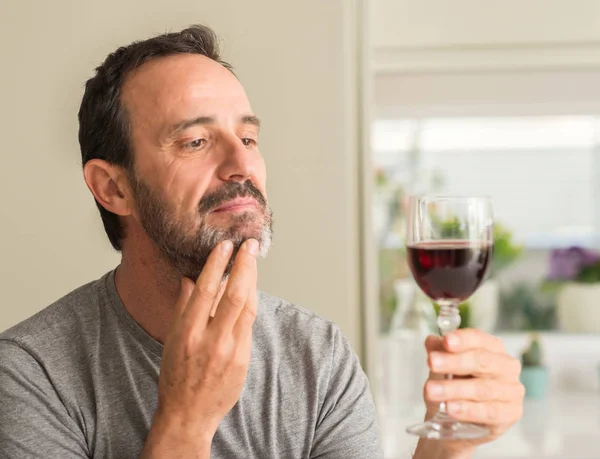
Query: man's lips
column 237, row 204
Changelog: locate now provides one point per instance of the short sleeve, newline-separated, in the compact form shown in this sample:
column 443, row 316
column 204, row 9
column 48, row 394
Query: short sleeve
column 347, row 423
column 33, row 421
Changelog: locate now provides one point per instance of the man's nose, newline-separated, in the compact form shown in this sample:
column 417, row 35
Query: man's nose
column 238, row 163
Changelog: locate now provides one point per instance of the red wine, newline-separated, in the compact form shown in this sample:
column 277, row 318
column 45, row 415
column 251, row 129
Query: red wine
column 449, row 270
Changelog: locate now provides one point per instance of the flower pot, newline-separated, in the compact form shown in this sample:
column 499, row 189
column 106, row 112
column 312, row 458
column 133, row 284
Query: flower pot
column 578, row 308
column 535, row 380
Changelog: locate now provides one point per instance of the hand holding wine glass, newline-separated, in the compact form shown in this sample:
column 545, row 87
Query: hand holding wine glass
column 486, row 390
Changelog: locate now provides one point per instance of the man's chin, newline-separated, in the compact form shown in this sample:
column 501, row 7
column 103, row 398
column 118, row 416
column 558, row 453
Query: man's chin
column 239, row 236
column 240, row 233
column 239, row 227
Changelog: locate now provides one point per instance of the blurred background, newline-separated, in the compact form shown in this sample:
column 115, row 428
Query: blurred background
column 363, row 103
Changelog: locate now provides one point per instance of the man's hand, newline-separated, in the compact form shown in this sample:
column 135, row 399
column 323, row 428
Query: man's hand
column 485, row 389
column 205, row 359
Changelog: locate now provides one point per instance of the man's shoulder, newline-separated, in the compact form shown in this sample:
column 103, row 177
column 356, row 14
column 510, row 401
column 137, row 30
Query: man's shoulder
column 281, row 313
column 60, row 320
column 284, row 325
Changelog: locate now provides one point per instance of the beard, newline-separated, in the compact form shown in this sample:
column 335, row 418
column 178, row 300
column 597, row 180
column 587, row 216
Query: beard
column 186, row 243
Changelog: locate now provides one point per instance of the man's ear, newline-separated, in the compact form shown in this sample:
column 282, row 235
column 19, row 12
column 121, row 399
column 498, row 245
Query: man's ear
column 109, row 185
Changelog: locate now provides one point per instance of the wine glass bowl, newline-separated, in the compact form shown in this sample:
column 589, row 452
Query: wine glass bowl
column 449, row 269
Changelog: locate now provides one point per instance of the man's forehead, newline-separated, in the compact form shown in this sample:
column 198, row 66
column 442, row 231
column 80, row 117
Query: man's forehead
column 175, row 81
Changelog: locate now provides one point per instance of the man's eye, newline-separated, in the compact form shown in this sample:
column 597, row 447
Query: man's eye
column 247, row 141
column 195, row 144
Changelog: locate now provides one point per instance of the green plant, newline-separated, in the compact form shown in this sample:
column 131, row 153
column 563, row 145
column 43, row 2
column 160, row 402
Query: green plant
column 452, row 229
column 589, row 274
column 532, row 356
column 527, row 307
column 381, row 178
column 505, row 250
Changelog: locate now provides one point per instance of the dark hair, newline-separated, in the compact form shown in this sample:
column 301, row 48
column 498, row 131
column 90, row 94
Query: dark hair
column 104, row 130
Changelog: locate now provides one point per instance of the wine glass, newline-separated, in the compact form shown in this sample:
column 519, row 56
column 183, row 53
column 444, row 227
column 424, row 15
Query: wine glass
column 449, row 245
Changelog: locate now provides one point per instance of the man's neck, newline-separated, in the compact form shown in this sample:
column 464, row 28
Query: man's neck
column 148, row 288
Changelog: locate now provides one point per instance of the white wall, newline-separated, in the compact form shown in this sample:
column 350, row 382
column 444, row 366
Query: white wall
column 296, row 60
column 442, row 23
column 469, row 35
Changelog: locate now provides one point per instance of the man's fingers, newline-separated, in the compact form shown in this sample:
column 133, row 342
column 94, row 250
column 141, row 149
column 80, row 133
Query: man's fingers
column 476, row 390
column 207, row 286
column 434, row 343
column 241, row 284
column 479, row 363
column 490, row 413
column 243, row 326
column 186, row 289
column 470, row 338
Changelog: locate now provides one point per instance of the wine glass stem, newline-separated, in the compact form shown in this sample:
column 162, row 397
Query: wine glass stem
column 448, row 321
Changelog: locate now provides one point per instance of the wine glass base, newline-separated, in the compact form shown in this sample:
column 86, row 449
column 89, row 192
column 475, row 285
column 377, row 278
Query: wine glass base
column 448, row 429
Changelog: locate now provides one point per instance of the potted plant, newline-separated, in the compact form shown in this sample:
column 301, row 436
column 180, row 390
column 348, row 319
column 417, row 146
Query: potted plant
column 527, row 307
column 575, row 275
column 534, row 375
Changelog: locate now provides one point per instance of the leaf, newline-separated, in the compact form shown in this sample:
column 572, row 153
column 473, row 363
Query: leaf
column 452, row 229
column 589, row 274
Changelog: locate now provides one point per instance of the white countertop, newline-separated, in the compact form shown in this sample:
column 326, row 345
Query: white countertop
column 563, row 426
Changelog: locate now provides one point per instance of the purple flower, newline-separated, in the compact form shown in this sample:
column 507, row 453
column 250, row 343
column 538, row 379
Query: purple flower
column 566, row 264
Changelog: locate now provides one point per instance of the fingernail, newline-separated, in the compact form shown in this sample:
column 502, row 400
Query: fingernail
column 437, row 361
column 454, row 408
column 252, row 246
column 226, row 247
column 453, row 341
column 435, row 389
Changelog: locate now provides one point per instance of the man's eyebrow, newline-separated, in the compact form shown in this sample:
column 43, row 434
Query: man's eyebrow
column 182, row 125
column 251, row 119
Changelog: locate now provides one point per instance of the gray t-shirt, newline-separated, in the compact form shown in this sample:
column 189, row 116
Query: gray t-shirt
column 80, row 380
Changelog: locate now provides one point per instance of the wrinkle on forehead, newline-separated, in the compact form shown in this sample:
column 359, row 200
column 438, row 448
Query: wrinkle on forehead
column 180, row 85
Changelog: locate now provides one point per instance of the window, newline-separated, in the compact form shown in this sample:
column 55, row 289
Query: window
column 539, row 171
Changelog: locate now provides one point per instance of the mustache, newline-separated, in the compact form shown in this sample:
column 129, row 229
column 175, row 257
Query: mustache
column 229, row 191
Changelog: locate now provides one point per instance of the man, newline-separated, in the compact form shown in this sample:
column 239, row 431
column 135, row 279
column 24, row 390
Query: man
column 170, row 153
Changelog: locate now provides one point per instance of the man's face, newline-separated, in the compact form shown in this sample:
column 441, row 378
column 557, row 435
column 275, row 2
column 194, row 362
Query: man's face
column 198, row 178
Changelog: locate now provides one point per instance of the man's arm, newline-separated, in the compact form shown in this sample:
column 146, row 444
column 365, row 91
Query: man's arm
column 34, row 422
column 170, row 437
column 347, row 423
